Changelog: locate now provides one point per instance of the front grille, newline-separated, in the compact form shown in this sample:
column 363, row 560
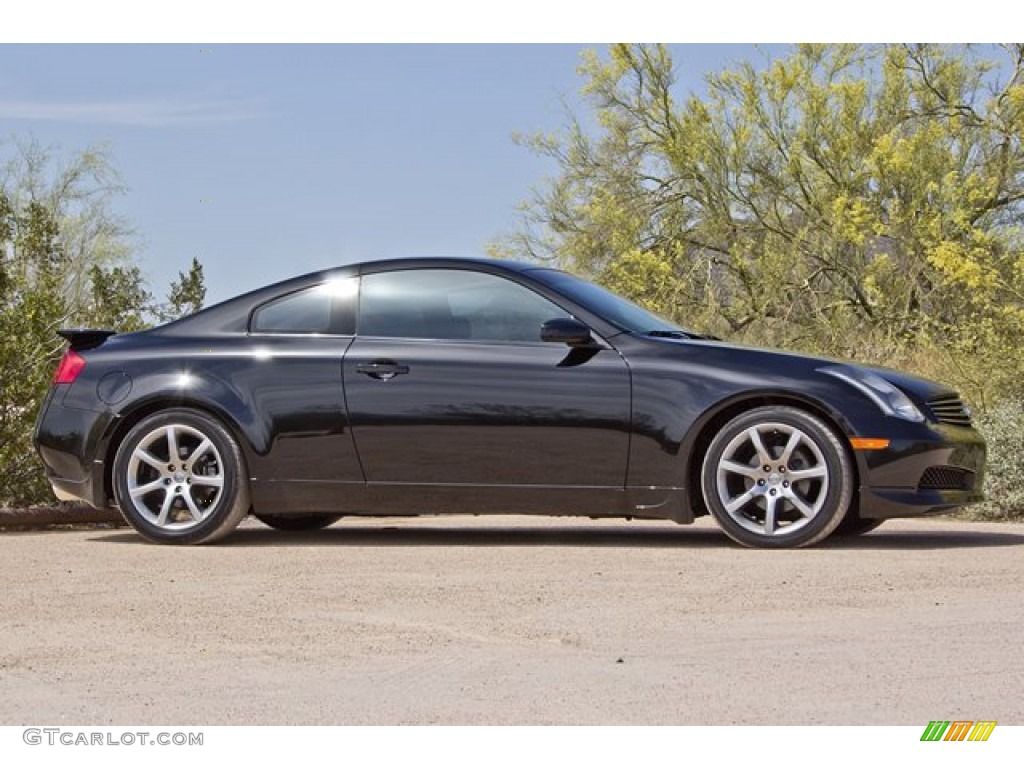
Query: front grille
column 947, row 479
column 950, row 409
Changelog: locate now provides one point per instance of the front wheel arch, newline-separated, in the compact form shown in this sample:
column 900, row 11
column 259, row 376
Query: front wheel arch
column 712, row 422
column 777, row 477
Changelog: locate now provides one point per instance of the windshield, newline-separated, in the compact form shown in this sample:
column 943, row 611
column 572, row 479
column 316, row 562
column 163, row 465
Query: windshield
column 613, row 308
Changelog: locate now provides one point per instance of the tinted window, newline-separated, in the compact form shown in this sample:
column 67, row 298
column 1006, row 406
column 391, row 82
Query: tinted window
column 451, row 304
column 325, row 308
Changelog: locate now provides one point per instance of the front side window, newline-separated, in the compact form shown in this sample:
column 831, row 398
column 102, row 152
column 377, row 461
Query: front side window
column 451, row 304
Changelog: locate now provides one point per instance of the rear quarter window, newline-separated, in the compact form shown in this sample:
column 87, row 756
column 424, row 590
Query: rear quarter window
column 325, row 308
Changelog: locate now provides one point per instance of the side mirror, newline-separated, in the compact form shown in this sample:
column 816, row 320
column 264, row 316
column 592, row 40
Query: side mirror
column 566, row 330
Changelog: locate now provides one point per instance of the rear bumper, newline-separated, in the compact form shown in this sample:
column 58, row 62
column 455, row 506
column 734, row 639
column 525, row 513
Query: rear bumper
column 66, row 439
column 74, row 490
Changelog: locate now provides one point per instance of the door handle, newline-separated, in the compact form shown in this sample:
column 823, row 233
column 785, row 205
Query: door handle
column 382, row 370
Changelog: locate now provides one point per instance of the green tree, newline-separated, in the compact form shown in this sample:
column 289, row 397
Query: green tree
column 858, row 200
column 32, row 307
column 64, row 261
column 77, row 192
column 187, row 293
column 117, row 299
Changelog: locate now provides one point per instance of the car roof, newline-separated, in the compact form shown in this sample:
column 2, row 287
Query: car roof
column 422, row 262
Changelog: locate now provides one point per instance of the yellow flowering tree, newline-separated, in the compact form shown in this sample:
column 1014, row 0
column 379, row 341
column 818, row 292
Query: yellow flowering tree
column 858, row 200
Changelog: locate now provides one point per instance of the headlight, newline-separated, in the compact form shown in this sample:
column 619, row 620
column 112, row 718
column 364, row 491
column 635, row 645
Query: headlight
column 886, row 396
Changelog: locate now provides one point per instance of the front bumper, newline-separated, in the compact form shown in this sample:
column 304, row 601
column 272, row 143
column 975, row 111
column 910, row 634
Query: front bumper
column 939, row 471
column 881, row 503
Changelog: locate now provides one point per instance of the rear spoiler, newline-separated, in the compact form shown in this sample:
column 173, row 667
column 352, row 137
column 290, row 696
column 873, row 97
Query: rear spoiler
column 84, row 338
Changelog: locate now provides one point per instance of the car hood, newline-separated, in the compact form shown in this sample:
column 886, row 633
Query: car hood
column 751, row 357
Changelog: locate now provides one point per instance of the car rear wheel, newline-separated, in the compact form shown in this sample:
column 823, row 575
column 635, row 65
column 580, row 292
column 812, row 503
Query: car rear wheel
column 179, row 478
column 298, row 523
column 777, row 477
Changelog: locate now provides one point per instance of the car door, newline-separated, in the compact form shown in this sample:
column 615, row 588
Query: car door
column 448, row 383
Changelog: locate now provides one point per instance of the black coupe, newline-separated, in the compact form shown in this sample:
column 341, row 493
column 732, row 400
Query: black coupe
column 437, row 386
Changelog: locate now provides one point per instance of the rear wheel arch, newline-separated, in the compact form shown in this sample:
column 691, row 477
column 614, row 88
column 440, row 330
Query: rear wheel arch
column 144, row 409
column 180, row 477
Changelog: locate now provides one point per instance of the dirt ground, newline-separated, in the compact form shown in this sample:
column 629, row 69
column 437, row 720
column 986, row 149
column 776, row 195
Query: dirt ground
column 513, row 621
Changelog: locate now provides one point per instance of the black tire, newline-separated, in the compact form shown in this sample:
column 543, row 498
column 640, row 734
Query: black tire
column 789, row 487
column 298, row 523
column 196, row 497
column 855, row 525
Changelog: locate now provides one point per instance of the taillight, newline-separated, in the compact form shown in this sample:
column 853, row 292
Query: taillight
column 70, row 366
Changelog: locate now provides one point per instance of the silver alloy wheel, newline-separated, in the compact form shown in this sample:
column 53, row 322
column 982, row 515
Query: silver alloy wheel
column 772, row 479
column 175, row 477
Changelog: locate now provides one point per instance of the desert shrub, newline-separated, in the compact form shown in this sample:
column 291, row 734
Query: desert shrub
column 1003, row 428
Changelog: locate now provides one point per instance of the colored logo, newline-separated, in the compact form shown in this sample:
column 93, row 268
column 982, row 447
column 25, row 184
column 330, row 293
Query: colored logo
column 958, row 730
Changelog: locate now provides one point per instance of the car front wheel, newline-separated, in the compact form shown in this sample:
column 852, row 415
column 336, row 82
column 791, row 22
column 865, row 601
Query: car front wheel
column 777, row 477
column 179, row 478
column 854, row 525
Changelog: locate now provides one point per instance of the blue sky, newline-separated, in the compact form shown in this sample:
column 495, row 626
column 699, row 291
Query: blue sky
column 310, row 155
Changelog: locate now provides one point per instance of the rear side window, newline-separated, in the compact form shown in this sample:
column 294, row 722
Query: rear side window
column 325, row 308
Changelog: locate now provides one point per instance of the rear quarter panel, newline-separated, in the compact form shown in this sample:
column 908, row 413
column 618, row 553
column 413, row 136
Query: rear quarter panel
column 282, row 398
